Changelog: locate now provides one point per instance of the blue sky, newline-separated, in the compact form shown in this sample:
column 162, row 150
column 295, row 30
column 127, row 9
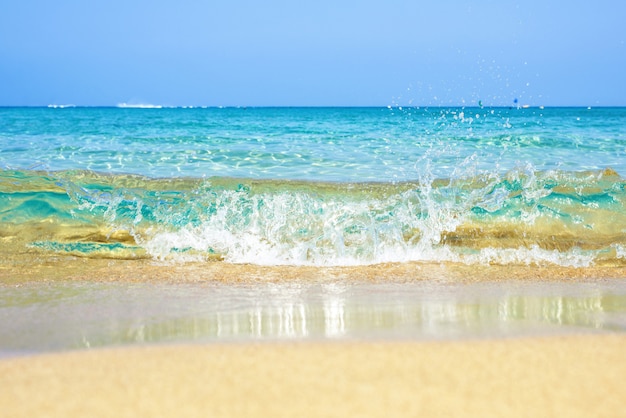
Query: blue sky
column 302, row 53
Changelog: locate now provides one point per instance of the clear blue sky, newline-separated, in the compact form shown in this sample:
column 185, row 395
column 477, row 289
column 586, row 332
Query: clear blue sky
column 323, row 52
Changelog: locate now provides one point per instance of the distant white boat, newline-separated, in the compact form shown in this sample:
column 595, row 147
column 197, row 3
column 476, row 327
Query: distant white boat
column 139, row 106
column 60, row 106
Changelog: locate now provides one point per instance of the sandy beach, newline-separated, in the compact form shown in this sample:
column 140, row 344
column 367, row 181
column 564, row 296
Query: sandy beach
column 549, row 377
column 478, row 341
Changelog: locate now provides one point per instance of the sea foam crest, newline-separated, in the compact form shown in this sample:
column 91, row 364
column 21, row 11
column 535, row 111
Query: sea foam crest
column 414, row 225
column 519, row 217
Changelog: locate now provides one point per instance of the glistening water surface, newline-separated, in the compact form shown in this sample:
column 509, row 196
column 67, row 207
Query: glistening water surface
column 317, row 186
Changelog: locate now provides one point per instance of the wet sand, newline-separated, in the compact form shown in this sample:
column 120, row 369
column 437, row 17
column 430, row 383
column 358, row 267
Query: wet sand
column 548, row 377
column 559, row 371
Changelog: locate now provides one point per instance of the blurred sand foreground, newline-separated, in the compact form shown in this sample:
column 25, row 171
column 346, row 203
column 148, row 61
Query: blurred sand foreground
column 572, row 376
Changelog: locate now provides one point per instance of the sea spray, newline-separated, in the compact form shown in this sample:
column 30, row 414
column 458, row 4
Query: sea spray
column 320, row 187
column 521, row 217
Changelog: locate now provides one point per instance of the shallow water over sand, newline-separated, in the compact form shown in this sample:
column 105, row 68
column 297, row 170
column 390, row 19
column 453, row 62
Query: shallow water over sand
column 62, row 315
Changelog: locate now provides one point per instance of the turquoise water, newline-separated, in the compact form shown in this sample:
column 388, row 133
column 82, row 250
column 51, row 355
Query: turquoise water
column 320, row 186
column 317, row 144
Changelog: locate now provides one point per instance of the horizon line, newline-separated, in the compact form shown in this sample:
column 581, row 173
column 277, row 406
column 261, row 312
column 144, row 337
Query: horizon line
column 399, row 107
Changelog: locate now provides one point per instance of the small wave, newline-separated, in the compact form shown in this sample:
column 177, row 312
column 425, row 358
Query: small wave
column 521, row 217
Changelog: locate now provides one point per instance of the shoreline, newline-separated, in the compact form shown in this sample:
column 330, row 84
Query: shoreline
column 547, row 376
column 20, row 268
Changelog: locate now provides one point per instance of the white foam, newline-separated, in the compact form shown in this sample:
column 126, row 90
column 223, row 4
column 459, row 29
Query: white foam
column 620, row 251
column 248, row 248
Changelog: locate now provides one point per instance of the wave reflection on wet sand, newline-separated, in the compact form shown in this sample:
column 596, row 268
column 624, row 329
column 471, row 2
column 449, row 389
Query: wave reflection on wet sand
column 64, row 314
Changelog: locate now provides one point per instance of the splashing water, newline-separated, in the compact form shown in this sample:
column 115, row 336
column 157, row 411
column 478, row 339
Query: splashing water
column 318, row 187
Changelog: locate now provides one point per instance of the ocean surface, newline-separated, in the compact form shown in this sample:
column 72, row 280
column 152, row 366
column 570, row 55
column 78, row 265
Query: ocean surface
column 316, row 186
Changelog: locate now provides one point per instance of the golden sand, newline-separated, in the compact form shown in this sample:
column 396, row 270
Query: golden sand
column 538, row 377
column 558, row 376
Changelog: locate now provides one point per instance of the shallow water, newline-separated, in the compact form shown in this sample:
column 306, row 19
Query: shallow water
column 41, row 317
column 314, row 144
column 568, row 219
column 317, row 186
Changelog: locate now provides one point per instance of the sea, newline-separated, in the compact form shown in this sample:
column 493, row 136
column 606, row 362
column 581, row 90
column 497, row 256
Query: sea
column 317, row 186
column 126, row 225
